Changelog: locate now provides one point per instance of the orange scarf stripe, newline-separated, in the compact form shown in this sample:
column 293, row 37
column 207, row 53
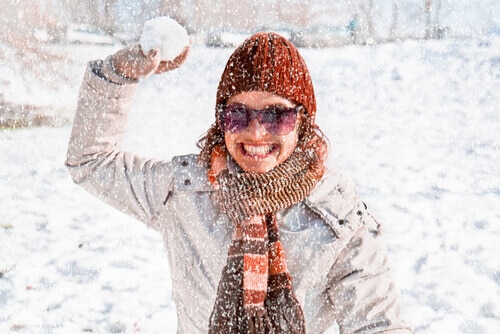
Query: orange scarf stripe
column 257, row 264
column 251, row 231
column 252, row 297
column 277, row 263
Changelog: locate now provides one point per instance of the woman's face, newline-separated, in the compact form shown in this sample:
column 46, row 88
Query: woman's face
column 254, row 149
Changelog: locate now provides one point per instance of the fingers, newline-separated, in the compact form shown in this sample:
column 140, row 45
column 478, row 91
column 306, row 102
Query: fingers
column 174, row 63
column 143, row 64
column 153, row 60
column 132, row 63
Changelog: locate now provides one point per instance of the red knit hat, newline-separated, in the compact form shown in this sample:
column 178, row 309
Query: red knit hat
column 268, row 62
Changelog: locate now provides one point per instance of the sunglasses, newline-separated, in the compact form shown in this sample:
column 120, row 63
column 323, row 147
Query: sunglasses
column 277, row 120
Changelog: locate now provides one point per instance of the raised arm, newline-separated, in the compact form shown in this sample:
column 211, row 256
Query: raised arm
column 134, row 185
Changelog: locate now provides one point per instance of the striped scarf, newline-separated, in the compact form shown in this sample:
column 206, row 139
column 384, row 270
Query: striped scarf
column 255, row 292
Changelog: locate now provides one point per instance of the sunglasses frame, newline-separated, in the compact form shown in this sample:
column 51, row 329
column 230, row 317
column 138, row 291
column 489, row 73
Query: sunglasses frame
column 254, row 114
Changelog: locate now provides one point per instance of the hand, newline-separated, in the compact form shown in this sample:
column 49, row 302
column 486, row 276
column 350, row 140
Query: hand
column 132, row 63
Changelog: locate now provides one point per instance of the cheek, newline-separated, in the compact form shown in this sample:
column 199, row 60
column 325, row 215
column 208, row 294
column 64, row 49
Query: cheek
column 288, row 144
column 229, row 140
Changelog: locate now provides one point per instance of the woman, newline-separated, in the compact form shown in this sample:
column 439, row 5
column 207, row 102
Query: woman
column 260, row 237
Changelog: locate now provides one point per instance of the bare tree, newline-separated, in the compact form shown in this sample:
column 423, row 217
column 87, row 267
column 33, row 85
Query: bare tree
column 106, row 19
column 433, row 27
column 428, row 15
column 19, row 24
column 440, row 31
column 396, row 12
column 367, row 9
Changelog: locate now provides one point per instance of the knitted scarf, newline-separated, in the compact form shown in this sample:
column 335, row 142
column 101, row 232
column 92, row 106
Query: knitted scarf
column 255, row 291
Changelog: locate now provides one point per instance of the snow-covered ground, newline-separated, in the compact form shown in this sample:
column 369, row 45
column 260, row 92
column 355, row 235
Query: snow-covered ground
column 415, row 124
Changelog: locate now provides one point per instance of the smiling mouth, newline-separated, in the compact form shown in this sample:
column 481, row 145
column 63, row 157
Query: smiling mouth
column 260, row 151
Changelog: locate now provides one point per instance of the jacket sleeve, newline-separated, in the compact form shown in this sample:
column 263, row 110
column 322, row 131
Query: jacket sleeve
column 132, row 184
column 362, row 293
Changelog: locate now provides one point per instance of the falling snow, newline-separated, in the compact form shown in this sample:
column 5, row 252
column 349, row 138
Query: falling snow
column 415, row 124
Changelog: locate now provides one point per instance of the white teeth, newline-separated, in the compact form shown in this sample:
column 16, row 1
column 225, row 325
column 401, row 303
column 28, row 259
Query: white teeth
column 258, row 149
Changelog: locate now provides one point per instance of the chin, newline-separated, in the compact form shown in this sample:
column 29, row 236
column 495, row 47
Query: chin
column 257, row 166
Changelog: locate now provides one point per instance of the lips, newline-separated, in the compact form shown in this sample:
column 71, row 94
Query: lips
column 261, row 150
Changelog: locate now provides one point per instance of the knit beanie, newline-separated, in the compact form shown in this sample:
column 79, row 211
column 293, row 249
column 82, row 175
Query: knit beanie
column 268, row 62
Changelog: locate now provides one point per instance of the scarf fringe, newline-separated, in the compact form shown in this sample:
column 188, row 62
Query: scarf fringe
column 285, row 312
column 258, row 320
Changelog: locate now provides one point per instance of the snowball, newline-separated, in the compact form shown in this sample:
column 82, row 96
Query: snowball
column 166, row 34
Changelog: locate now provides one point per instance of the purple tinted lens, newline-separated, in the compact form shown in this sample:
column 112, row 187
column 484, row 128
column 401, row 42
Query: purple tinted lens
column 234, row 119
column 276, row 120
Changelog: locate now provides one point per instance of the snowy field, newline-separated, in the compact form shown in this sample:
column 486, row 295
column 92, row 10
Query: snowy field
column 415, row 125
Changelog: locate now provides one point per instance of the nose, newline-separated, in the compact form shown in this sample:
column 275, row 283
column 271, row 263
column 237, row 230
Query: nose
column 255, row 129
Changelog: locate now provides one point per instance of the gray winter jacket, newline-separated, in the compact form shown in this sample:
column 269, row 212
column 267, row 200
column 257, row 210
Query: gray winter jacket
column 333, row 247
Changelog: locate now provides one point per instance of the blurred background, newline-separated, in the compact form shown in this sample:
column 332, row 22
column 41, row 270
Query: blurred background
column 25, row 23
column 31, row 32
